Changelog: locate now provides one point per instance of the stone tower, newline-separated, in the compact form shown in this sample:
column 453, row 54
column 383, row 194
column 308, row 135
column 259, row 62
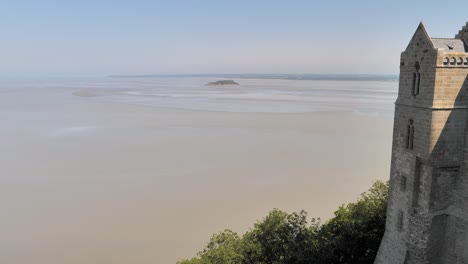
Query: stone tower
column 427, row 217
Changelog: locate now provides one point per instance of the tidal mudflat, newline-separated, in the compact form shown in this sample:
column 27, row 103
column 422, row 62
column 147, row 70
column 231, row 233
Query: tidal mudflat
column 145, row 170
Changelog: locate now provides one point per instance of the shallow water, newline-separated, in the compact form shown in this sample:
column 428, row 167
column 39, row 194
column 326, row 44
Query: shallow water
column 86, row 179
column 252, row 95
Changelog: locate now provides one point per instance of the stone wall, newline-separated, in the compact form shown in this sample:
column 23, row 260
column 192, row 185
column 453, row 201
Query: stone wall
column 427, row 217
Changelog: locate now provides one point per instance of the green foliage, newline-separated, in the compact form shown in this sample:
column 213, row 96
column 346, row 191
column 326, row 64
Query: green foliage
column 191, row 261
column 352, row 236
column 223, row 248
column 279, row 238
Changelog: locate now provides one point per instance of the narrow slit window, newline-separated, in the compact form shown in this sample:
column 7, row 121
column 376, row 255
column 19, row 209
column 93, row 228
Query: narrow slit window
column 410, row 135
column 416, row 79
column 417, row 83
column 401, row 215
column 403, row 183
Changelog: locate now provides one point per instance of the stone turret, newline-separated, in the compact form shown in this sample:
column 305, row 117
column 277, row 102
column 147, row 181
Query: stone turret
column 463, row 33
column 427, row 217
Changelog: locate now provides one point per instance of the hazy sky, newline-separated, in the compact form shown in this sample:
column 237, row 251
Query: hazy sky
column 67, row 38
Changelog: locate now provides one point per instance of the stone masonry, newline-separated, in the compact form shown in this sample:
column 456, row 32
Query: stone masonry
column 427, row 217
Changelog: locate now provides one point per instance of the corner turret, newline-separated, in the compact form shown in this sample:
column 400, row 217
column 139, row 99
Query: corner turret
column 463, row 33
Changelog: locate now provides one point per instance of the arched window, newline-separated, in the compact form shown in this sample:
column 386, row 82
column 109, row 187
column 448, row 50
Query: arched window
column 410, row 135
column 460, row 61
column 465, row 62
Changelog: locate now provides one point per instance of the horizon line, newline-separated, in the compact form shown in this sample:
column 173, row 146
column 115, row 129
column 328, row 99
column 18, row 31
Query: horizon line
column 283, row 76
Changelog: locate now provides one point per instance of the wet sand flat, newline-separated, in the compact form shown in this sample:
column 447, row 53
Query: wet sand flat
column 89, row 181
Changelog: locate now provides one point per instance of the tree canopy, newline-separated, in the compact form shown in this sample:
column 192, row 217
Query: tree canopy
column 352, row 236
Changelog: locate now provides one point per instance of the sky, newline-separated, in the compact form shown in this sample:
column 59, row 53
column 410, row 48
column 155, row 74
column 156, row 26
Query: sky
column 98, row 38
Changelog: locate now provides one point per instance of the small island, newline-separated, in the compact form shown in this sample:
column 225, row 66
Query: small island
column 222, row 82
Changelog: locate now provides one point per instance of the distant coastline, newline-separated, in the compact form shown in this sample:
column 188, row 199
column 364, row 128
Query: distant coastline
column 318, row 77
